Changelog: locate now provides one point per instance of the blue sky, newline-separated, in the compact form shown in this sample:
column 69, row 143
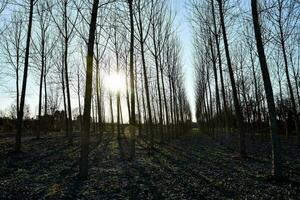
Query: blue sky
column 180, row 6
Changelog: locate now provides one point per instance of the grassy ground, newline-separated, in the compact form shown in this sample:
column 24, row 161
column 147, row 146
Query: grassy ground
column 191, row 167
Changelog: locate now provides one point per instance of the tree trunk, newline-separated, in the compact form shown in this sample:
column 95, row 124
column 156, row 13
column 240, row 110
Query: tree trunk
column 276, row 146
column 23, row 94
column 65, row 102
column 238, row 113
column 78, row 95
column 83, row 167
column 218, row 105
column 66, row 37
column 158, row 85
column 150, row 122
column 40, row 98
column 45, row 111
column 98, row 95
column 111, row 114
column 132, row 120
column 220, row 67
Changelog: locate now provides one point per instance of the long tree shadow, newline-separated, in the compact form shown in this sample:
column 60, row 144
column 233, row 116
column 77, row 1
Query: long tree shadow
column 69, row 178
column 135, row 174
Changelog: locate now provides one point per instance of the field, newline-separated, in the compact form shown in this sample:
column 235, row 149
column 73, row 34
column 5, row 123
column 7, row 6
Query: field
column 193, row 166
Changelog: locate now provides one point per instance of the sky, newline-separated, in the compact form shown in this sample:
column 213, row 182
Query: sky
column 184, row 33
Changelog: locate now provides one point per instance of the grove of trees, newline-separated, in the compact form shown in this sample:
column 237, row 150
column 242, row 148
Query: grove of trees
column 67, row 48
column 246, row 59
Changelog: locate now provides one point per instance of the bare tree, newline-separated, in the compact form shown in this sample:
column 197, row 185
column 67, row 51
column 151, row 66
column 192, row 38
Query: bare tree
column 238, row 113
column 276, row 146
column 132, row 119
column 83, row 170
column 43, row 47
column 13, row 50
column 26, row 65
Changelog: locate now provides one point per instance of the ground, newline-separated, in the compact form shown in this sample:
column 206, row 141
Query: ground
column 193, row 166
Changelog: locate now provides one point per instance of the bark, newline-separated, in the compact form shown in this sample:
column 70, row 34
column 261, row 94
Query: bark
column 276, row 146
column 158, row 84
column 238, row 113
column 290, row 88
column 165, row 99
column 45, row 111
column 83, row 167
column 218, row 105
column 99, row 107
column 78, row 95
column 138, row 103
column 111, row 114
column 23, row 94
column 150, row 122
column 40, row 94
column 65, row 102
column 132, row 120
column 220, row 67
column 66, row 37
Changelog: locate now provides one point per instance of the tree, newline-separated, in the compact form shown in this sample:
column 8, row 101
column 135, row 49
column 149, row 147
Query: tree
column 43, row 53
column 66, row 30
column 26, row 65
column 276, row 146
column 132, row 120
column 237, row 107
column 83, row 167
column 285, row 22
column 143, row 33
column 13, row 50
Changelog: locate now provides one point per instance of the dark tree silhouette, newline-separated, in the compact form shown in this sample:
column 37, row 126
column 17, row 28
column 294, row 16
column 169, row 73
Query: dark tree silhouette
column 276, row 146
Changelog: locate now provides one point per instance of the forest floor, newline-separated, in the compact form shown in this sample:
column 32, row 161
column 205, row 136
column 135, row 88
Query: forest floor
column 191, row 167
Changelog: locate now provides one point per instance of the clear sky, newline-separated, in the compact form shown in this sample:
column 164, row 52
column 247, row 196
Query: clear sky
column 180, row 6
column 182, row 25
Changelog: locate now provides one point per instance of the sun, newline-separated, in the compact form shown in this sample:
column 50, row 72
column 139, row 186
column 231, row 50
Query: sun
column 115, row 82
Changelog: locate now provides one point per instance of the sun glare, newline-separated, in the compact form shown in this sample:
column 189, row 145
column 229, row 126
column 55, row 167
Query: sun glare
column 115, row 82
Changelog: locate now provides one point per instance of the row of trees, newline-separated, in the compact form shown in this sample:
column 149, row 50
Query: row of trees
column 233, row 80
column 136, row 38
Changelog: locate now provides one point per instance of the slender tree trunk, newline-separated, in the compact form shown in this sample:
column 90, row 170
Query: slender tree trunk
column 220, row 67
column 256, row 91
column 65, row 102
column 83, row 167
column 132, row 120
column 127, row 92
column 158, row 85
column 66, row 37
column 290, row 88
column 238, row 113
column 111, row 113
column 40, row 98
column 98, row 95
column 46, row 108
column 118, row 92
column 17, row 87
column 144, row 104
column 218, row 105
column 171, row 105
column 276, row 146
column 138, row 103
column 165, row 99
column 78, row 94
column 23, row 94
column 150, row 122
column 295, row 74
